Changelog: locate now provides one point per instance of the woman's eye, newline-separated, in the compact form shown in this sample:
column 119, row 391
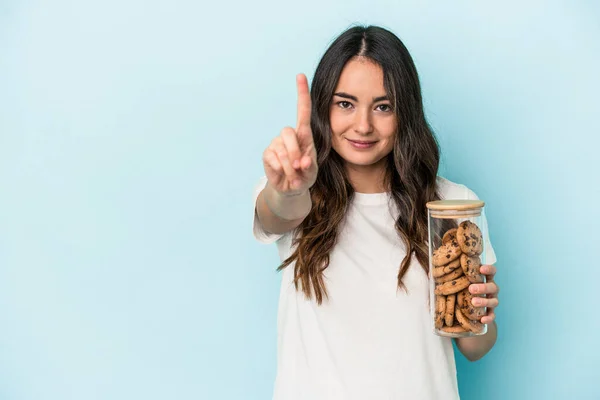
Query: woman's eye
column 384, row 107
column 344, row 104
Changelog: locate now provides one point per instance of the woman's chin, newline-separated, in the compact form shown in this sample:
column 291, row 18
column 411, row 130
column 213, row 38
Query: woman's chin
column 364, row 160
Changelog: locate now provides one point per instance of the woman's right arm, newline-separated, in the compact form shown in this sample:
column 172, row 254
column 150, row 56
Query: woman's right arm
column 290, row 164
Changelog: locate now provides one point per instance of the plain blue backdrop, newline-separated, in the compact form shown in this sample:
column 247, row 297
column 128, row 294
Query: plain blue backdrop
column 131, row 136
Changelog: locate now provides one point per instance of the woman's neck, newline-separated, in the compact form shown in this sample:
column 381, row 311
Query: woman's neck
column 368, row 179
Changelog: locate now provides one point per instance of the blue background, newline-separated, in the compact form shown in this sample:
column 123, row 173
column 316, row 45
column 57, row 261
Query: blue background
column 131, row 136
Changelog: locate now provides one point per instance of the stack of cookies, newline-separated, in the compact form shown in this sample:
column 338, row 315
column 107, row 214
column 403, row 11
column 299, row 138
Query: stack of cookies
column 456, row 265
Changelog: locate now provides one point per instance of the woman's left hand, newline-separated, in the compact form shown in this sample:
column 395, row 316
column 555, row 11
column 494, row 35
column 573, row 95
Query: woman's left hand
column 490, row 289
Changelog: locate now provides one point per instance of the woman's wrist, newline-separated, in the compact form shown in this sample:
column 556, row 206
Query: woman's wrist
column 287, row 206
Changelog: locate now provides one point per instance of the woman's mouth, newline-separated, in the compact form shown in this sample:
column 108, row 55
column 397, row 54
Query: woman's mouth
column 362, row 144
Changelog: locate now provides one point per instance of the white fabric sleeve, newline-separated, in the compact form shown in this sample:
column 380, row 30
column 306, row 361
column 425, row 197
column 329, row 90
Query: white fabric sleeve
column 259, row 232
column 490, row 254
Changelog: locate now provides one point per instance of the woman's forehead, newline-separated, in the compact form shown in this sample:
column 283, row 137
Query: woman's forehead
column 362, row 78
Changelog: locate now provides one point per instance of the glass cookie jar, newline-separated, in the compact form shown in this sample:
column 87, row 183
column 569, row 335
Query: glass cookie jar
column 457, row 245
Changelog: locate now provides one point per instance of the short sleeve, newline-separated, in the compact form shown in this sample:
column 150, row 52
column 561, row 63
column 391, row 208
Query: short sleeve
column 490, row 254
column 260, row 234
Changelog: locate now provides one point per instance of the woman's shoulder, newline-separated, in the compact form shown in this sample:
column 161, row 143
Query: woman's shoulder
column 448, row 189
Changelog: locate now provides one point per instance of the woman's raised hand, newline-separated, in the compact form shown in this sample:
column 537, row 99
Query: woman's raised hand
column 290, row 161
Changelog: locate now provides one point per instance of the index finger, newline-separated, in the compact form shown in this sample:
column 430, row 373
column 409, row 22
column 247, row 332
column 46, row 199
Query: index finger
column 303, row 102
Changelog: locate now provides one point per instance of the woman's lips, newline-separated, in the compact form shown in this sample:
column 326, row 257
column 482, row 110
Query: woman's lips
column 361, row 144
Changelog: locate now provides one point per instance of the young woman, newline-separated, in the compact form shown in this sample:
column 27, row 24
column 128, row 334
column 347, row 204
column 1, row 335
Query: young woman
column 344, row 197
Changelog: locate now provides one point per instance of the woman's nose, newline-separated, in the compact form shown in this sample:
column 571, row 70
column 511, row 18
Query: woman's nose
column 362, row 122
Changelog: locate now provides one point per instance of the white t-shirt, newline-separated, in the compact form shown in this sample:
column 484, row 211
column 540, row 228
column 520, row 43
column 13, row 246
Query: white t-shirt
column 368, row 340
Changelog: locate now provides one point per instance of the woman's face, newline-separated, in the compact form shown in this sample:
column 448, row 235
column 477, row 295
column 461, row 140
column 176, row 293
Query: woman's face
column 363, row 123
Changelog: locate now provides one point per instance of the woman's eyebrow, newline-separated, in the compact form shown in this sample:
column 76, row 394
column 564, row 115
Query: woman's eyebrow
column 349, row 96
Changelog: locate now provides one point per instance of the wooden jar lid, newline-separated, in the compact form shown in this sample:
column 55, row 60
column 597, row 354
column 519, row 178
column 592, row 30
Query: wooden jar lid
column 457, row 205
column 455, row 208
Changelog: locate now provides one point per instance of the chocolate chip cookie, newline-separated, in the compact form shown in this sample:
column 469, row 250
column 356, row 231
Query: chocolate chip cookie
column 469, row 238
column 446, row 253
column 470, row 266
column 449, row 236
column 453, row 286
column 446, row 269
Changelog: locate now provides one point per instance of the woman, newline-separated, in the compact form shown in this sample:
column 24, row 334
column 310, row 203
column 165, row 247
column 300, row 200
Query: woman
column 344, row 197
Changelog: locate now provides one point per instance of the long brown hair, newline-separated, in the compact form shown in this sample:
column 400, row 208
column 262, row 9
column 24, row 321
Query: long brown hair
column 411, row 167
